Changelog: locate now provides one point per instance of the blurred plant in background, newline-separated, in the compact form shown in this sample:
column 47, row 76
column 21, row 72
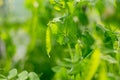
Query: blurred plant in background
column 60, row 39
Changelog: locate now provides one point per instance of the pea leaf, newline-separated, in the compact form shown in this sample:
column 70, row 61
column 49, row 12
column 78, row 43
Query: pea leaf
column 33, row 76
column 12, row 73
column 23, row 75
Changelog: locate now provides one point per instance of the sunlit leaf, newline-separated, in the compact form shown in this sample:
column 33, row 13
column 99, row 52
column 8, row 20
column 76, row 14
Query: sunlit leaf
column 94, row 63
column 12, row 73
column 57, row 8
column 23, row 75
column 33, row 76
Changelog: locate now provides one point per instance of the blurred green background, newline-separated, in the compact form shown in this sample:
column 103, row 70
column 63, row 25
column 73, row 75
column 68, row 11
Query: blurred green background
column 61, row 39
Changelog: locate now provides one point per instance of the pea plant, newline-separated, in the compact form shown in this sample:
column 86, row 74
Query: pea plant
column 24, row 75
column 90, row 41
column 65, row 40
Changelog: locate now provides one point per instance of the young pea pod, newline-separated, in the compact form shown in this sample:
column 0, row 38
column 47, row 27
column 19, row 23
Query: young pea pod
column 48, row 40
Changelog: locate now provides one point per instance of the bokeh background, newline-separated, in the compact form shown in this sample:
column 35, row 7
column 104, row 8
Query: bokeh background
column 78, row 26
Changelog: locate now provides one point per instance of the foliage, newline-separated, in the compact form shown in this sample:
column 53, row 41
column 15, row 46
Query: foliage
column 64, row 40
column 13, row 75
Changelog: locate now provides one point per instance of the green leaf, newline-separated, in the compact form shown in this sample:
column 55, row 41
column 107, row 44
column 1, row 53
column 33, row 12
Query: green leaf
column 94, row 63
column 62, row 74
column 71, row 7
column 77, row 77
column 2, row 76
column 56, row 68
column 12, row 73
column 33, row 76
column 78, row 51
column 54, row 28
column 109, row 59
column 60, row 39
column 23, row 75
column 57, row 8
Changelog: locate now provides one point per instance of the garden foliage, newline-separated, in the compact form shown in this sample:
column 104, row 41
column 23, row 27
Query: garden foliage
column 63, row 40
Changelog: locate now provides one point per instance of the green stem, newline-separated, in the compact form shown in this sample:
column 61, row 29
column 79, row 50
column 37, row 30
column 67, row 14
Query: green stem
column 70, row 51
column 33, row 27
